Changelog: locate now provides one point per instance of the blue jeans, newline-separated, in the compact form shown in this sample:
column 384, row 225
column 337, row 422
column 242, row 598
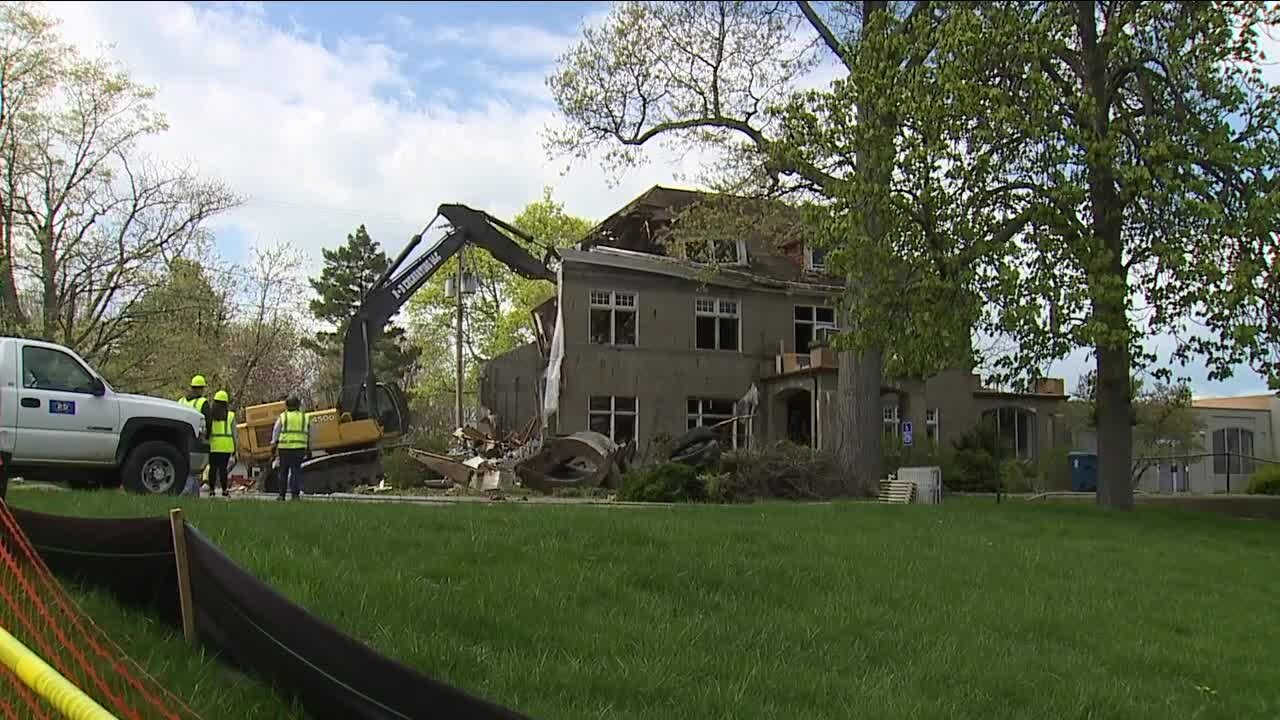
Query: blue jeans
column 291, row 471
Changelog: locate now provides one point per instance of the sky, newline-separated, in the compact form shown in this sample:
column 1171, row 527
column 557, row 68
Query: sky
column 327, row 115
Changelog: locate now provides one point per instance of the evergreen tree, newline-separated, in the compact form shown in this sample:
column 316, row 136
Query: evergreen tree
column 349, row 272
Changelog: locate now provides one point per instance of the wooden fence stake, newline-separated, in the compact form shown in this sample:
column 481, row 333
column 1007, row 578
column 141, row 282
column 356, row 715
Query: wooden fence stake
column 184, row 574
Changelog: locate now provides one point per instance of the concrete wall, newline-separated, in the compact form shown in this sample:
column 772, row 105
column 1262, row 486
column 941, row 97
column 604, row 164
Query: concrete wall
column 510, row 386
column 665, row 369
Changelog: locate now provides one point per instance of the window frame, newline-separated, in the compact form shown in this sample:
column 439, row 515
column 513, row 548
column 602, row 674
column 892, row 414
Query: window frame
column 613, row 412
column 1032, row 444
column 613, row 308
column 739, row 251
column 809, row 263
column 890, row 416
column 933, row 425
column 1241, row 463
column 813, row 324
column 741, row 439
column 62, row 353
column 718, row 313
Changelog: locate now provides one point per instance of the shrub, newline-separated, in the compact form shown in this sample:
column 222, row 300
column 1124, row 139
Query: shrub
column 976, row 460
column 721, row 487
column 1017, row 476
column 784, row 470
column 662, row 482
column 1054, row 468
column 1265, row 481
column 402, row 472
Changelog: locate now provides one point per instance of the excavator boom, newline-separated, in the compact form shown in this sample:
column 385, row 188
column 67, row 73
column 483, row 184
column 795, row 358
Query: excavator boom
column 402, row 280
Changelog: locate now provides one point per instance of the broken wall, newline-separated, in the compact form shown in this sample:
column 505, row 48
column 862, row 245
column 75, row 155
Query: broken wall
column 510, row 387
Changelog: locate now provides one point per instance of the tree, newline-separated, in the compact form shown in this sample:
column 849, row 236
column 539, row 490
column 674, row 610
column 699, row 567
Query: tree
column 868, row 154
column 86, row 219
column 264, row 358
column 180, row 319
column 349, row 272
column 1165, row 424
column 1144, row 142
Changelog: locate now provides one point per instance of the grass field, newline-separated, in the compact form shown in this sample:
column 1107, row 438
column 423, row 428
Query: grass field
column 769, row 611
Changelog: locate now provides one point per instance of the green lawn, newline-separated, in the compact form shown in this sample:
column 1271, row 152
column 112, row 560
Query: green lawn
column 770, row 611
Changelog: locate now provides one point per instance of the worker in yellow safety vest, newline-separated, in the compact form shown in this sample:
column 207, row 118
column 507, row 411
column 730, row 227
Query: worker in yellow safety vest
column 291, row 439
column 222, row 442
column 196, row 400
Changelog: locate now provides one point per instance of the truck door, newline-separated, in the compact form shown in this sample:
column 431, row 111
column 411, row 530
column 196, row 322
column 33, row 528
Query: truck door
column 64, row 414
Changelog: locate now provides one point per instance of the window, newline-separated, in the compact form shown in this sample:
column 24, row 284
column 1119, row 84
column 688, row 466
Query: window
column 717, row 413
column 613, row 417
column 613, row 318
column 1232, row 451
column 716, row 322
column 722, row 252
column 1017, row 427
column 931, row 426
column 890, row 415
column 809, row 321
column 48, row 369
column 815, row 259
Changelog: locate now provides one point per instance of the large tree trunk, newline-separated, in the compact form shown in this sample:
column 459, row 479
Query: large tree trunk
column 1115, row 431
column 858, row 420
column 1108, row 276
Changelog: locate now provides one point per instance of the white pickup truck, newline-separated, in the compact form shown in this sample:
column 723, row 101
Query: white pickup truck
column 61, row 422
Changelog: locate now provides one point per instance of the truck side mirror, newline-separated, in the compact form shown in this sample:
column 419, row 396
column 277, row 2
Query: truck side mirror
column 98, row 387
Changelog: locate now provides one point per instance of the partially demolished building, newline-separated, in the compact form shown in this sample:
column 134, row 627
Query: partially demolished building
column 647, row 337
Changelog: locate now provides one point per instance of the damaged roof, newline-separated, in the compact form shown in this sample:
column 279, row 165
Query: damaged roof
column 755, row 240
column 724, row 276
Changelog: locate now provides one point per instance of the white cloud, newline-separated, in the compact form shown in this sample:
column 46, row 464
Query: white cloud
column 511, row 42
column 322, row 137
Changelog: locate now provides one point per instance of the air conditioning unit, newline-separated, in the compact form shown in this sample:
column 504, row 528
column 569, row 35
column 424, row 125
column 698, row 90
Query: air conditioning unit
column 825, row 335
column 928, row 482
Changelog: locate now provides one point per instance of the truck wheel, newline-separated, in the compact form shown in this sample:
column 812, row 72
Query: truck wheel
column 154, row 468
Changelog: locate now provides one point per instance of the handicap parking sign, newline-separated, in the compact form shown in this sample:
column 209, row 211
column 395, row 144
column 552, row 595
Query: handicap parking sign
column 906, row 433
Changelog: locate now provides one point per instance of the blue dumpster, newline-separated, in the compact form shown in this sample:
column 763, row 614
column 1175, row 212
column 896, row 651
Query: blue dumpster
column 1084, row 471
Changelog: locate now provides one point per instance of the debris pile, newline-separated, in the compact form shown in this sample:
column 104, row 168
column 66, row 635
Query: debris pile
column 490, row 461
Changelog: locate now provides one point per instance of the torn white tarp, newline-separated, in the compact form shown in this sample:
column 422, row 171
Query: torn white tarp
column 746, row 405
column 551, row 398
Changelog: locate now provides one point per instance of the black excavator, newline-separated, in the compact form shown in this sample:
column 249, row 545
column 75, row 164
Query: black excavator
column 347, row 440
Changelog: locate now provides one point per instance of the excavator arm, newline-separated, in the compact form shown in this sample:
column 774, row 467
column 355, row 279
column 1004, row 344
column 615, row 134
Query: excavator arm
column 401, row 281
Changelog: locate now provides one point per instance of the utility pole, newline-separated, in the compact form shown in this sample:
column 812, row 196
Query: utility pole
column 458, row 288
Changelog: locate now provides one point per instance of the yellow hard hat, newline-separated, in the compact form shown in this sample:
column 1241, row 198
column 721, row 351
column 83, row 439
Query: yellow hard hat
column 197, row 381
column 222, row 396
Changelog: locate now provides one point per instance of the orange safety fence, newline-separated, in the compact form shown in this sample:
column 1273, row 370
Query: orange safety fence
column 36, row 610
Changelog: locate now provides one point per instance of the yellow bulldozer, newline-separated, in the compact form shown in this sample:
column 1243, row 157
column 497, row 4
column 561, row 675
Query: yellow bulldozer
column 347, row 441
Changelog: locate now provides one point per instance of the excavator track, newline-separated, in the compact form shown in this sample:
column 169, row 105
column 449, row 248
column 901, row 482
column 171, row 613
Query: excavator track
column 337, row 472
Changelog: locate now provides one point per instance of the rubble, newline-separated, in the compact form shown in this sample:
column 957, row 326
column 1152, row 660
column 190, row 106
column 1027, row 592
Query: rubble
column 583, row 459
column 489, row 461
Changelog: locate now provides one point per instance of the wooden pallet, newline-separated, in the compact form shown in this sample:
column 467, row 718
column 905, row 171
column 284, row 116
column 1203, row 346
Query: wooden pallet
column 899, row 492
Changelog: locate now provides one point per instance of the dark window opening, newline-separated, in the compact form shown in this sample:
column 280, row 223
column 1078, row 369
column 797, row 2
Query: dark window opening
column 1232, row 451
column 613, row 318
column 612, row 416
column 716, row 324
